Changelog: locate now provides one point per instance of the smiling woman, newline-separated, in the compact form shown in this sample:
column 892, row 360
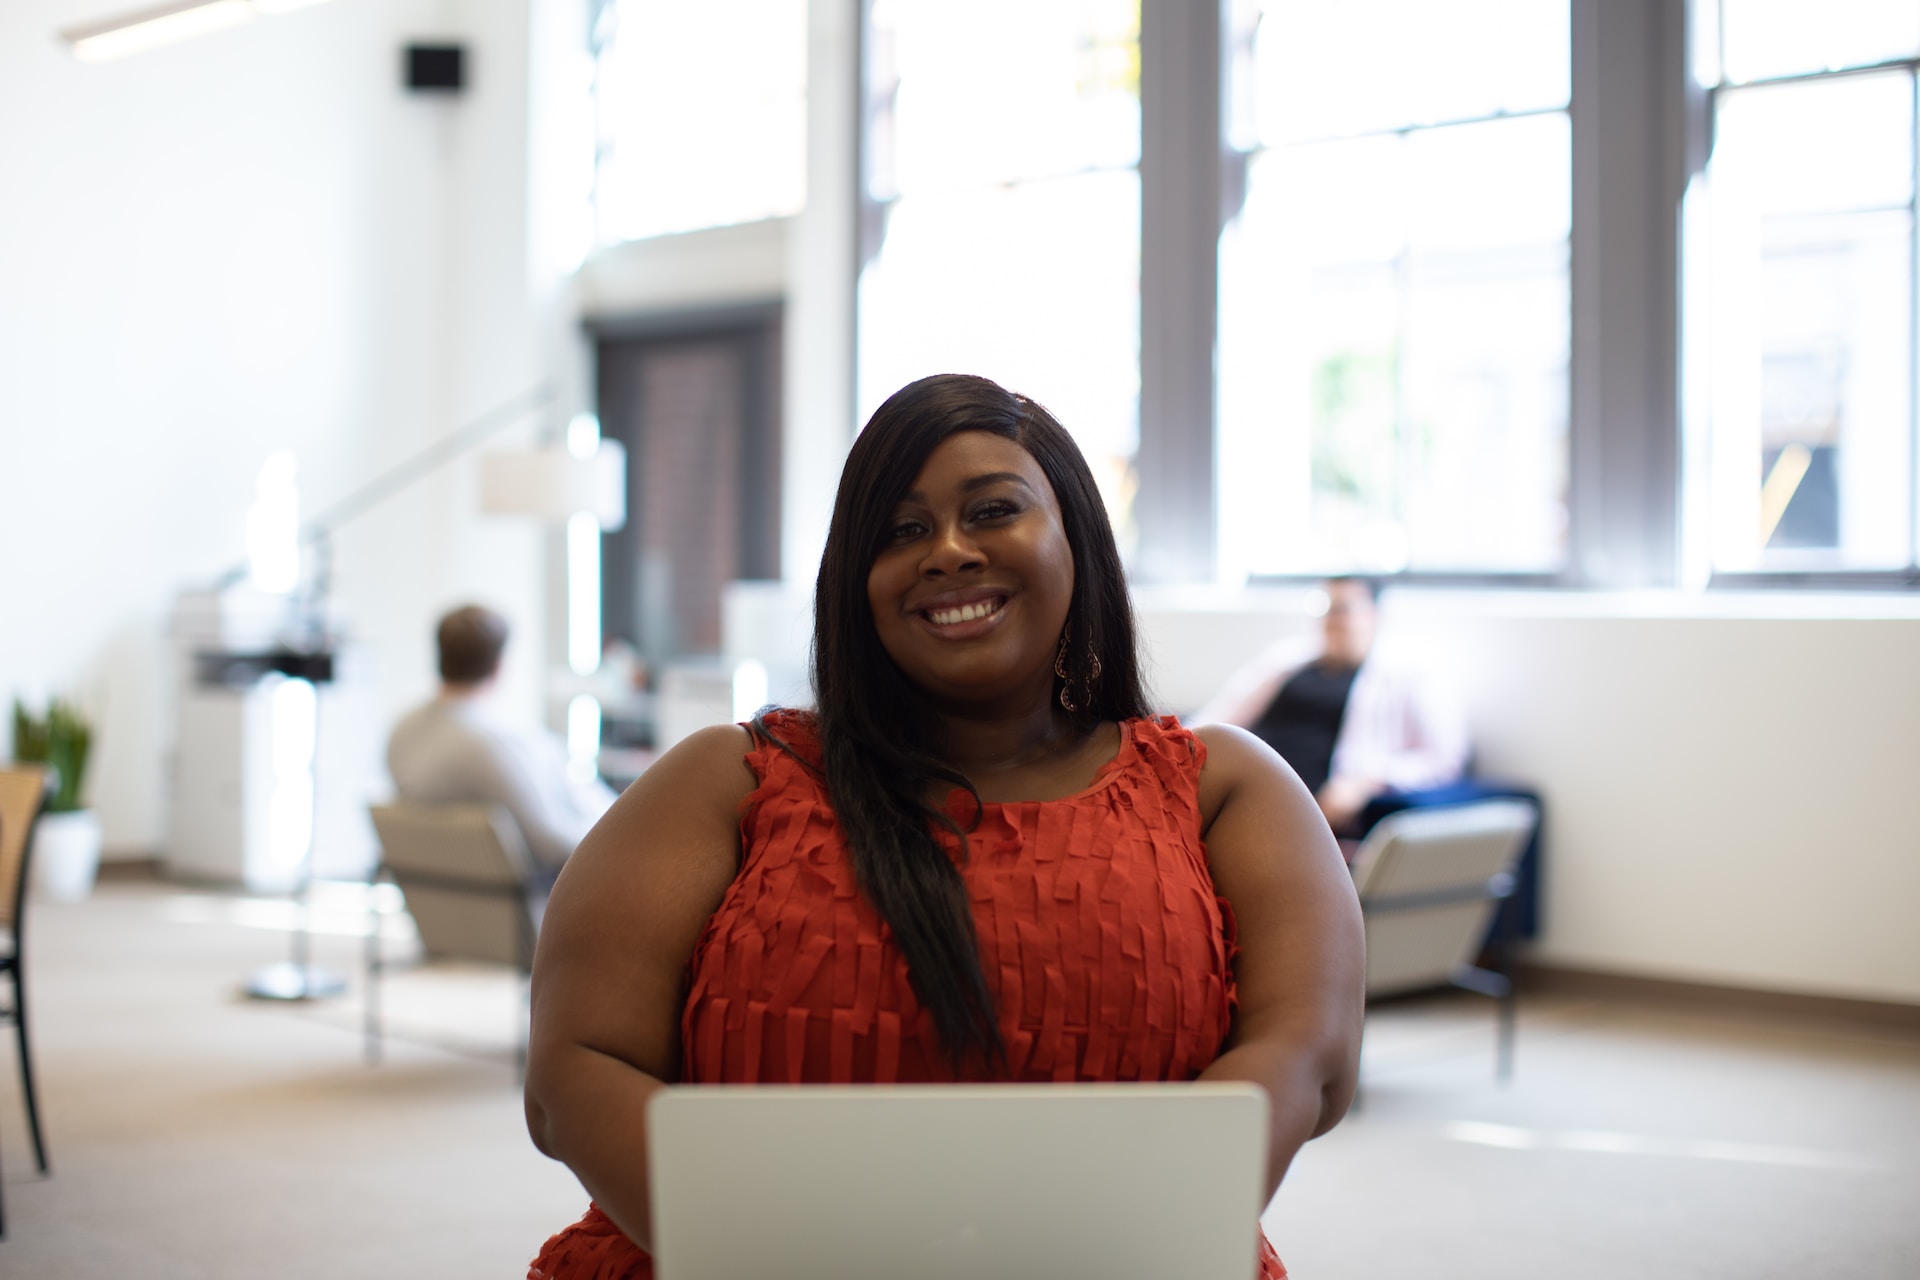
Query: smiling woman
column 980, row 859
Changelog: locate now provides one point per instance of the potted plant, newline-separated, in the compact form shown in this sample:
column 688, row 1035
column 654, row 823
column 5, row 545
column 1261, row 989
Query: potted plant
column 66, row 844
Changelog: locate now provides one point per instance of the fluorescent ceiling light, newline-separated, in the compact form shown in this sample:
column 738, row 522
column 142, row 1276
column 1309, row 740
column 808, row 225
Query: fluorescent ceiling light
column 150, row 28
column 137, row 32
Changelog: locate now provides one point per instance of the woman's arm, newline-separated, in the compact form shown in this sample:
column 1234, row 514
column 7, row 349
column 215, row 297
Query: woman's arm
column 1301, row 972
column 619, row 928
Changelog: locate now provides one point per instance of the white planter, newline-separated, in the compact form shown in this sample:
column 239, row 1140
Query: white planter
column 66, row 854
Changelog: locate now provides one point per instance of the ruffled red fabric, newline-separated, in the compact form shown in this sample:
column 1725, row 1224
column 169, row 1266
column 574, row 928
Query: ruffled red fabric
column 1108, row 952
column 592, row 1249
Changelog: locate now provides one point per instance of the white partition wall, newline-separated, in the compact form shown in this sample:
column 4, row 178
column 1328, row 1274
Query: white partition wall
column 1729, row 780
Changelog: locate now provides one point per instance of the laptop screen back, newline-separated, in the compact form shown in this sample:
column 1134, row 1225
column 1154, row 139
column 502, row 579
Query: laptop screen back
column 1120, row 1182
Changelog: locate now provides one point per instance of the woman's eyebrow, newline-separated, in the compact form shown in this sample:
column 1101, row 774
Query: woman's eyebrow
column 977, row 482
column 994, row 477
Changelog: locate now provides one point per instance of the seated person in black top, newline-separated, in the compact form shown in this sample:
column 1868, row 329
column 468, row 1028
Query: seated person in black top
column 1354, row 722
column 1367, row 731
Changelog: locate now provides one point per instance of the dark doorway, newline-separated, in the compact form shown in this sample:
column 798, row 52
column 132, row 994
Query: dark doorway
column 695, row 398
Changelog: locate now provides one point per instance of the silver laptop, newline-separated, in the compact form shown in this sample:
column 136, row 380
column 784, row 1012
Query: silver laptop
column 994, row 1182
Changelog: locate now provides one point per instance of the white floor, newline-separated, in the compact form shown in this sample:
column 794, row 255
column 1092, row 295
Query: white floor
column 198, row 1134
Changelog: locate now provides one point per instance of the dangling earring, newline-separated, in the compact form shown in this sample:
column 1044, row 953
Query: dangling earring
column 1093, row 673
column 1060, row 670
column 1066, row 679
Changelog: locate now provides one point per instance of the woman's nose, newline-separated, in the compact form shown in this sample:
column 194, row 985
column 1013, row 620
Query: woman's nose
column 952, row 551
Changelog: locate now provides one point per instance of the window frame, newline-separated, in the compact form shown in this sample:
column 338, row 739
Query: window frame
column 1243, row 159
column 1605, row 546
column 1907, row 578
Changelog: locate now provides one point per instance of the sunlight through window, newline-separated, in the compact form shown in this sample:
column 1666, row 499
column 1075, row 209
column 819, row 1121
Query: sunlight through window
column 1394, row 307
column 702, row 113
column 1002, row 211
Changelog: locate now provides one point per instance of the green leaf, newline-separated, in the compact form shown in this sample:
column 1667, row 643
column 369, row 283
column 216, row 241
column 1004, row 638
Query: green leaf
column 62, row 741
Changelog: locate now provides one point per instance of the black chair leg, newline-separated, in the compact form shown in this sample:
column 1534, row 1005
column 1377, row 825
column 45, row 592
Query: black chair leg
column 374, row 1031
column 26, row 1069
column 1508, row 1011
column 523, row 1020
column 1509, row 998
column 1498, row 987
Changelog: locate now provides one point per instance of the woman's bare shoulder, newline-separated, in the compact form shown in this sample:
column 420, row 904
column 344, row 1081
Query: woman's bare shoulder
column 707, row 769
column 1236, row 759
column 680, row 817
column 712, row 760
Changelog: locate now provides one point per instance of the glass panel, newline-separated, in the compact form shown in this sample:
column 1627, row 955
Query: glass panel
column 1500, row 183
column 1394, row 352
column 1332, row 68
column 1002, row 139
column 998, row 91
column 1484, row 413
column 1034, row 285
column 1792, row 37
column 702, row 115
column 1817, row 146
column 1812, row 335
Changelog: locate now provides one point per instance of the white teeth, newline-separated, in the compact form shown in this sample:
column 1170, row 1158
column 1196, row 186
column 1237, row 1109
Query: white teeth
column 965, row 613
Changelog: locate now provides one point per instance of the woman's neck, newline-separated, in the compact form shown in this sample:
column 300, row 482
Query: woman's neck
column 1037, row 756
column 980, row 745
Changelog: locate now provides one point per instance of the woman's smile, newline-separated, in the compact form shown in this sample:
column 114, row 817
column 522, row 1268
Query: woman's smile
column 964, row 615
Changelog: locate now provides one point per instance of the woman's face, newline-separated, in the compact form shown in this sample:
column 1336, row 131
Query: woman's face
column 974, row 576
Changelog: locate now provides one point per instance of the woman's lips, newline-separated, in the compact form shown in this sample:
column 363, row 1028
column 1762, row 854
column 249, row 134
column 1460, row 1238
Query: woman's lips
column 965, row 612
column 964, row 621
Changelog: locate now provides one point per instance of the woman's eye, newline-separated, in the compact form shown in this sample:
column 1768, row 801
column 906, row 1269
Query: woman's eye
column 996, row 509
column 904, row 530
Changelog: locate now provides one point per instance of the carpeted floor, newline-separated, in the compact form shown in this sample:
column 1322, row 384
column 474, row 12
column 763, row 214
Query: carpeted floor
column 1632, row 1141
column 198, row 1134
column 195, row 1133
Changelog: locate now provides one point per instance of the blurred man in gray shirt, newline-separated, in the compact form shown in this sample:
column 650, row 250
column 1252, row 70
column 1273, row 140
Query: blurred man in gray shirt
column 455, row 750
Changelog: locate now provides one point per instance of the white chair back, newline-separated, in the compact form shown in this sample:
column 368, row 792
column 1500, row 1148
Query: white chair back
column 465, row 872
column 1430, row 881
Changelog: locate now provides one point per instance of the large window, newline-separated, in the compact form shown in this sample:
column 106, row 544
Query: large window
column 1419, row 363
column 1001, row 210
column 1394, row 310
column 1804, row 250
column 701, row 114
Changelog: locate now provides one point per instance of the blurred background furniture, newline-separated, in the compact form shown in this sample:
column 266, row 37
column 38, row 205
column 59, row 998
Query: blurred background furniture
column 23, row 794
column 1519, row 916
column 473, row 890
column 1430, row 882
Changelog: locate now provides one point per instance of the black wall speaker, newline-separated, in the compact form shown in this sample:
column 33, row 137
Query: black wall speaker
column 436, row 68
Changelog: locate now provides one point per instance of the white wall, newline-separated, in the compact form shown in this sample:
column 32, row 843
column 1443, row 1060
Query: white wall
column 255, row 240
column 1729, row 780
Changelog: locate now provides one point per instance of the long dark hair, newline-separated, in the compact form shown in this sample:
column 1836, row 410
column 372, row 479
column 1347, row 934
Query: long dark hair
column 877, row 730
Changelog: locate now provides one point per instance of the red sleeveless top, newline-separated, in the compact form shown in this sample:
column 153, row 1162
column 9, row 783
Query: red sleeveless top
column 1108, row 952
